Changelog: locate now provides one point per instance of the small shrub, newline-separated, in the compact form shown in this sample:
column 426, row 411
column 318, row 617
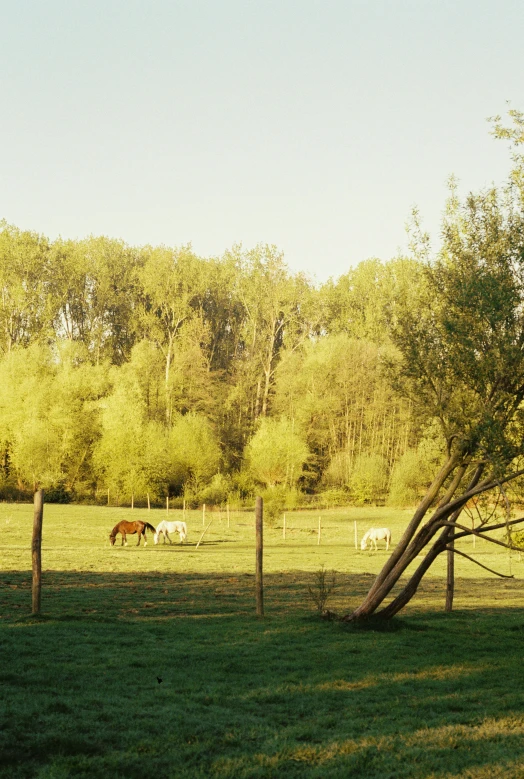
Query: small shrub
column 242, row 486
column 324, row 583
column 11, row 493
column 273, row 510
column 409, row 480
column 57, row 493
column 274, row 504
column 368, row 478
column 217, row 491
column 333, row 497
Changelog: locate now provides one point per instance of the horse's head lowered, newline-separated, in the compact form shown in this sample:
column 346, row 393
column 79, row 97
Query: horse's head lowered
column 112, row 539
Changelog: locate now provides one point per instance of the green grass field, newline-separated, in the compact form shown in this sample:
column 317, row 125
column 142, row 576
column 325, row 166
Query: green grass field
column 433, row 695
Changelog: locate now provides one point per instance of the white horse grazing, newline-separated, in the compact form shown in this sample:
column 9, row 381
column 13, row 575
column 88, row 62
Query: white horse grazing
column 165, row 528
column 375, row 534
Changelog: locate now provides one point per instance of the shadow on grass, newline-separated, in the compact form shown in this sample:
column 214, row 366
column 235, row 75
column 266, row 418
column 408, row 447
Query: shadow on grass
column 150, row 674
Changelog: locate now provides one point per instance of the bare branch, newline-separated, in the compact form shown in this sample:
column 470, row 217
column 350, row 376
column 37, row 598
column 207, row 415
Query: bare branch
column 488, row 529
column 479, row 533
column 462, row 554
column 483, row 486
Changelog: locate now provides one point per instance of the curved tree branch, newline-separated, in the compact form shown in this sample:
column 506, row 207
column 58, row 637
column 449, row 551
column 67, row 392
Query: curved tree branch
column 462, row 554
column 470, row 532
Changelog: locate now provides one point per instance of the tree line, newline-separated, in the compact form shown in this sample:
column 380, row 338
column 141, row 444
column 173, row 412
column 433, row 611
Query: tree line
column 153, row 371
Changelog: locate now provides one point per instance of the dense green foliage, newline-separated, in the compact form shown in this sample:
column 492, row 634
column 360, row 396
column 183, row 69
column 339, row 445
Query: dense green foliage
column 151, row 371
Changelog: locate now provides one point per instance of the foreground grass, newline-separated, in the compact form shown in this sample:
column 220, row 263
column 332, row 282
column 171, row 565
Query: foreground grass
column 434, row 695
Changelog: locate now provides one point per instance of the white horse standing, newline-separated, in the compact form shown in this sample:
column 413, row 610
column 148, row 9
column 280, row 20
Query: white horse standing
column 375, row 534
column 165, row 528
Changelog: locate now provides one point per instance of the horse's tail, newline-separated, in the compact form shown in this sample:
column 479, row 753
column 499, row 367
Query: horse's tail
column 149, row 527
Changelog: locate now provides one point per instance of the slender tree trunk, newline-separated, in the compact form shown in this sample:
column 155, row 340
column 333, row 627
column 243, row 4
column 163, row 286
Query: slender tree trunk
column 268, row 371
column 257, row 399
column 166, row 385
column 411, row 587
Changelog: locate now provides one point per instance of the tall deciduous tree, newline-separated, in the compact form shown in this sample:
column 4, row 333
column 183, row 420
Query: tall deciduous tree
column 48, row 414
column 335, row 392
column 279, row 310
column 24, row 287
column 276, row 454
column 172, row 280
column 93, row 289
column 462, row 361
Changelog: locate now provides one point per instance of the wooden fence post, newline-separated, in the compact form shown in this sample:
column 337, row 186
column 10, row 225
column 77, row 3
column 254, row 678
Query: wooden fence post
column 259, row 513
column 167, row 504
column 203, row 514
column 450, row 577
column 148, row 503
column 108, row 496
column 37, row 550
column 227, row 507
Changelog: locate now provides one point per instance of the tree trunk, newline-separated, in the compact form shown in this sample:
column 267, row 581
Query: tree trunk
column 268, row 371
column 413, row 543
column 408, row 547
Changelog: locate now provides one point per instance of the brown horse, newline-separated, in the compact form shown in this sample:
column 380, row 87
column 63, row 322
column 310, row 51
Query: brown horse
column 125, row 527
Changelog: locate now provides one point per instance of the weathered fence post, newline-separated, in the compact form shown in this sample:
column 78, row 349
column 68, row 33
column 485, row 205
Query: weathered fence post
column 167, row 504
column 450, row 578
column 37, row 549
column 203, row 514
column 259, row 514
column 227, row 508
column 108, row 496
column 148, row 503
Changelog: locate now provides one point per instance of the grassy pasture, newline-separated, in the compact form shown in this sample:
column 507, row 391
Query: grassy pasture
column 434, row 695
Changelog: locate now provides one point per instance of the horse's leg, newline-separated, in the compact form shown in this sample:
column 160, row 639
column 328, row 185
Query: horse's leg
column 145, row 538
column 139, row 537
column 168, row 537
column 124, row 540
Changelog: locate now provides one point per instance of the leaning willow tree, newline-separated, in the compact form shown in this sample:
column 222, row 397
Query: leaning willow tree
column 462, row 363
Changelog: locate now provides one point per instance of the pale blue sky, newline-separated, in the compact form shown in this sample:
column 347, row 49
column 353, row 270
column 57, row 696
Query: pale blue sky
column 312, row 124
